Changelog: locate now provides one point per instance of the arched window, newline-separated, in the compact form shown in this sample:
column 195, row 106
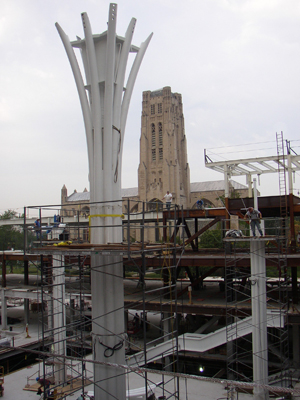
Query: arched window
column 134, row 208
column 155, row 205
column 85, row 211
column 206, row 204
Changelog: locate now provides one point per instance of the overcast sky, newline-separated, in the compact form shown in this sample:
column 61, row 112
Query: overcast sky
column 235, row 62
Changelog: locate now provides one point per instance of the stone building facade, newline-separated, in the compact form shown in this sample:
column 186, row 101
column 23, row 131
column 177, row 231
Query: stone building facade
column 77, row 202
column 163, row 163
column 163, row 149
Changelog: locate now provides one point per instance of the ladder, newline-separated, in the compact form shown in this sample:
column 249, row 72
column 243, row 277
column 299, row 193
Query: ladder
column 282, row 167
column 282, row 256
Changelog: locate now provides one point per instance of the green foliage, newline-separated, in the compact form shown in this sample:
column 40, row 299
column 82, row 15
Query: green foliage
column 129, row 274
column 11, row 236
column 222, row 199
column 153, row 275
column 17, row 267
column 234, row 194
column 211, row 239
column 272, row 272
column 273, row 226
column 8, row 214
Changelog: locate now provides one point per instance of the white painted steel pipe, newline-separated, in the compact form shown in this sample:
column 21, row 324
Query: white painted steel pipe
column 105, row 114
column 59, row 319
column 259, row 317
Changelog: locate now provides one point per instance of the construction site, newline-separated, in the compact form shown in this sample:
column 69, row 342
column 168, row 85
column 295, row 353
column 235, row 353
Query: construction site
column 133, row 298
column 227, row 315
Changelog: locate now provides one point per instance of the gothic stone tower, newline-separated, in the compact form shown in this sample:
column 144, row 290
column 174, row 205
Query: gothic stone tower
column 163, row 149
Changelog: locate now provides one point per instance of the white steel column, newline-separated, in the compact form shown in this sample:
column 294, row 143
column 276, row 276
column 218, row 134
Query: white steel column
column 226, row 181
column 255, row 194
column 290, row 173
column 108, row 325
column 249, row 184
column 59, row 318
column 105, row 101
column 259, row 318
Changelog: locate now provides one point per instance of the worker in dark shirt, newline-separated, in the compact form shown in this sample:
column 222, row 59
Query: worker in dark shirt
column 200, row 204
column 254, row 216
column 43, row 383
column 37, row 227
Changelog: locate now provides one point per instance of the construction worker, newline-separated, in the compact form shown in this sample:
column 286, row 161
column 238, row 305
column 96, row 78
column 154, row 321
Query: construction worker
column 168, row 198
column 254, row 216
column 45, row 383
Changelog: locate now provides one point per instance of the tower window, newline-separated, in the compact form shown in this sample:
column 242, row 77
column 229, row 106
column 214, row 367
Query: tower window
column 160, row 153
column 153, row 141
column 153, row 154
column 160, row 135
column 152, row 109
column 159, row 108
column 160, row 141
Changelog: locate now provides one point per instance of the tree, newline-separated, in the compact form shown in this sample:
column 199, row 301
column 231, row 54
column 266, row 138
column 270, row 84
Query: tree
column 211, row 239
column 8, row 214
column 11, row 236
column 234, row 194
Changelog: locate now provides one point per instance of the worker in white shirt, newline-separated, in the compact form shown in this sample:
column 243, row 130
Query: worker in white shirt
column 168, row 198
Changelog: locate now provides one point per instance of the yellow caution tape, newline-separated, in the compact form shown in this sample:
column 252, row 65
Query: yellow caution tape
column 107, row 215
column 104, row 216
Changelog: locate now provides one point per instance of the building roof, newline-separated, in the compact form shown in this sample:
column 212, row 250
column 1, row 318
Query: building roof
column 85, row 196
column 80, row 196
column 195, row 187
column 160, row 92
column 214, row 185
column 130, row 192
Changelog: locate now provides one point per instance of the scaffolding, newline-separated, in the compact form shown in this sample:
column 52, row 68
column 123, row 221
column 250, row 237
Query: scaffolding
column 66, row 305
column 282, row 168
column 260, row 308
